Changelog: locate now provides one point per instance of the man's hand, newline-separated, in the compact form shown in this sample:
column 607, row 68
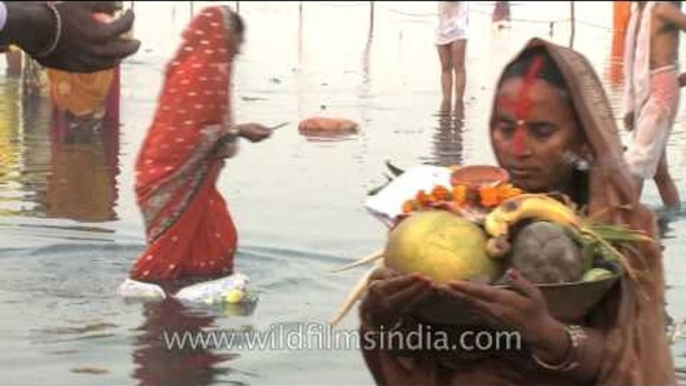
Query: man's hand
column 682, row 80
column 85, row 45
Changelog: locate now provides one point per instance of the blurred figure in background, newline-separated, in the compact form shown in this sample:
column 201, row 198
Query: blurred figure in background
column 651, row 98
column 451, row 40
column 501, row 14
column 621, row 13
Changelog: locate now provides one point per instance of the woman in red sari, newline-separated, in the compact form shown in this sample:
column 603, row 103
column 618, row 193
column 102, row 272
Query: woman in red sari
column 190, row 232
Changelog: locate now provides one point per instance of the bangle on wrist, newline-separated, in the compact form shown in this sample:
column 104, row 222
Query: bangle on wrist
column 576, row 336
column 234, row 130
column 50, row 48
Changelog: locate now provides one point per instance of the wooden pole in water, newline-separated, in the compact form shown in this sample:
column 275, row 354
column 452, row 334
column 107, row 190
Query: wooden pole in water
column 300, row 35
column 371, row 15
column 571, row 35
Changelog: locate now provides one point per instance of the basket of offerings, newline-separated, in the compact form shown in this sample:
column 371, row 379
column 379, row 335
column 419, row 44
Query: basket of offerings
column 471, row 224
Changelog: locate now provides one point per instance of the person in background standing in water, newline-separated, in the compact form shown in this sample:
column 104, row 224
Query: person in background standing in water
column 651, row 97
column 191, row 235
column 501, row 13
column 451, row 40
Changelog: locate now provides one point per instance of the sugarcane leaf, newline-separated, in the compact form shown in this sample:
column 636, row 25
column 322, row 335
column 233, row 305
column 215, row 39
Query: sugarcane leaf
column 589, row 252
column 607, row 255
column 615, row 233
column 574, row 234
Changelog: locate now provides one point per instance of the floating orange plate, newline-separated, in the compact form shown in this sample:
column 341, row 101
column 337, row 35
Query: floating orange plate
column 327, row 127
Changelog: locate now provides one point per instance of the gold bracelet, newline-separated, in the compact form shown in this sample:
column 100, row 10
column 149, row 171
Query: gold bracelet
column 576, row 335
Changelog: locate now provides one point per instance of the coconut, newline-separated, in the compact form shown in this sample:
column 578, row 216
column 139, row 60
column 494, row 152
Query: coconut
column 544, row 254
column 441, row 245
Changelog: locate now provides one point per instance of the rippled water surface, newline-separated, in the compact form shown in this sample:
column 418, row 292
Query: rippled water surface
column 70, row 229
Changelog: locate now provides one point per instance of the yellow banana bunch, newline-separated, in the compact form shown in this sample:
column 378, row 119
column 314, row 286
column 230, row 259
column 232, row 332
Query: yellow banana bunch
column 529, row 206
column 539, row 206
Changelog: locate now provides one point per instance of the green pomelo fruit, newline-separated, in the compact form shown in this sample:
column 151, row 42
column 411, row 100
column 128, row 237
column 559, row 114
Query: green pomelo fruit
column 442, row 246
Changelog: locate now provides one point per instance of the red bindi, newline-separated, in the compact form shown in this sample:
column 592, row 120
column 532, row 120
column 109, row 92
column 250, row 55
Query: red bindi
column 522, row 104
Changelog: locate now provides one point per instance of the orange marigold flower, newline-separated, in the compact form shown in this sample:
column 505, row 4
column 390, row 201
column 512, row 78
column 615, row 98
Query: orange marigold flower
column 506, row 191
column 460, row 194
column 408, row 206
column 423, row 198
column 440, row 193
column 489, row 196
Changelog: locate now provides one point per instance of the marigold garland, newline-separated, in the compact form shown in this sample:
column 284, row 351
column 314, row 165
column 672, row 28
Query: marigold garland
column 486, row 197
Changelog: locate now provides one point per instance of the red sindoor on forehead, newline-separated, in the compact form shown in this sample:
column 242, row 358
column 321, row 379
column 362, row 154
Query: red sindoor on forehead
column 523, row 103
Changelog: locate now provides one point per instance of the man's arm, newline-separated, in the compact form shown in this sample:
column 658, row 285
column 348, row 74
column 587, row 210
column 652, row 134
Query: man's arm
column 27, row 25
column 81, row 43
column 671, row 14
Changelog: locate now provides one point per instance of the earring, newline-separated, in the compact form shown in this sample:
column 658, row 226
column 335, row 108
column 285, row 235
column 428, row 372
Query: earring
column 582, row 164
column 583, row 160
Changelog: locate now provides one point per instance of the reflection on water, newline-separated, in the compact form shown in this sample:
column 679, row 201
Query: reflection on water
column 157, row 364
column 447, row 139
column 35, row 146
column 25, row 153
column 9, row 124
column 85, row 160
column 81, row 185
column 65, row 164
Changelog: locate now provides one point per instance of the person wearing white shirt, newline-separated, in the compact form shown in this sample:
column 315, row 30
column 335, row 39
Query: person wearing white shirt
column 451, row 40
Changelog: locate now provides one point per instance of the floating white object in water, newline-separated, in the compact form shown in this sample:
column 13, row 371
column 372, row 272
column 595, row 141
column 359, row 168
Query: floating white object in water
column 132, row 289
column 230, row 289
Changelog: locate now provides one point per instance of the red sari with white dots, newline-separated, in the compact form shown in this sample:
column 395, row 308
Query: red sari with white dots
column 189, row 229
